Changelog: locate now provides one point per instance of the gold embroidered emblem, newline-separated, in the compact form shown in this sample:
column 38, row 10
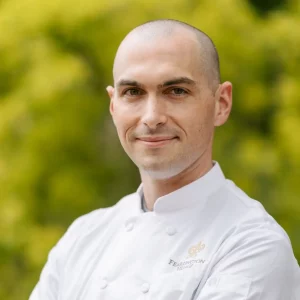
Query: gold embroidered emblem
column 194, row 250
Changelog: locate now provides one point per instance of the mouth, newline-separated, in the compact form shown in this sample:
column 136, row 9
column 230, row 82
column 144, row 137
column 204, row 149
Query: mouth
column 154, row 142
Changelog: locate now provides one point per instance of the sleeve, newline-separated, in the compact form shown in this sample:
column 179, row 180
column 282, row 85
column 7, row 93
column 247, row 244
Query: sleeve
column 254, row 265
column 48, row 285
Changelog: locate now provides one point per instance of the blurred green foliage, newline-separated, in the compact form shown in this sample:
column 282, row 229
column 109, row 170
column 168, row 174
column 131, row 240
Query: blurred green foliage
column 59, row 153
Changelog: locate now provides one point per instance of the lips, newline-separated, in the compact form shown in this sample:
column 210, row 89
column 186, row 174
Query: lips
column 157, row 141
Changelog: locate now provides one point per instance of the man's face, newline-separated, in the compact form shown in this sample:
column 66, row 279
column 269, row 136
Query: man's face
column 162, row 107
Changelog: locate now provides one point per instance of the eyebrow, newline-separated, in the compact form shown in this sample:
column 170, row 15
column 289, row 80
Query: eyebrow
column 176, row 80
column 125, row 82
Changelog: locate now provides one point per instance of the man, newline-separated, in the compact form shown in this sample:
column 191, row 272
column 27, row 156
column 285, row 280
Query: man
column 187, row 233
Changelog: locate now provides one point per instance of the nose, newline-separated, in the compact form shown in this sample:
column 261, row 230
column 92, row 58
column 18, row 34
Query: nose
column 154, row 113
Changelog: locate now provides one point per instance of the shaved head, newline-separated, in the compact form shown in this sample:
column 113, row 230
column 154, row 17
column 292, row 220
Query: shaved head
column 167, row 98
column 165, row 29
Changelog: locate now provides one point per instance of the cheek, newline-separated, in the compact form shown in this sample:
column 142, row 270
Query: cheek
column 124, row 122
column 200, row 122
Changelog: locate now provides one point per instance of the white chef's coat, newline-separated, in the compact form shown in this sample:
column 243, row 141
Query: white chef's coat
column 205, row 241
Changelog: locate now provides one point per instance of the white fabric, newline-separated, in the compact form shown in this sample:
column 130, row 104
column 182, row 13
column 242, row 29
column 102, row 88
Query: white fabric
column 205, row 241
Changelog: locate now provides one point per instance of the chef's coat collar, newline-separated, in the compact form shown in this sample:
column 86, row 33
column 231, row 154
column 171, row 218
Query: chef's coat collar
column 189, row 195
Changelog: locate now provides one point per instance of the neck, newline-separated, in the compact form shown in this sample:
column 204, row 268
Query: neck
column 154, row 188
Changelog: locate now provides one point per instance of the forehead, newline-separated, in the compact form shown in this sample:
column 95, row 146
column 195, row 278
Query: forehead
column 158, row 59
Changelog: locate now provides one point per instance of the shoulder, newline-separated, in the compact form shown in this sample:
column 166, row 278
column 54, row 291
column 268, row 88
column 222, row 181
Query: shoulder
column 101, row 216
column 248, row 230
column 95, row 221
column 254, row 250
column 255, row 244
column 242, row 213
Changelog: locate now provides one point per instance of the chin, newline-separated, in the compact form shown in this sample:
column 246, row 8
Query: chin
column 160, row 173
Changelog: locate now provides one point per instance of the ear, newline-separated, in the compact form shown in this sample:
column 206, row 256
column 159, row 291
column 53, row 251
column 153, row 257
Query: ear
column 223, row 103
column 110, row 90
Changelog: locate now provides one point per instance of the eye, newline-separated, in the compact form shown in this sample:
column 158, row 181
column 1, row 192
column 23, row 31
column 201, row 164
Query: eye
column 133, row 92
column 177, row 91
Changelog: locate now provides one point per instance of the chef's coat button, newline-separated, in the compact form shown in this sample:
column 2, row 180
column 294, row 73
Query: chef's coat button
column 103, row 284
column 129, row 226
column 145, row 288
column 171, row 230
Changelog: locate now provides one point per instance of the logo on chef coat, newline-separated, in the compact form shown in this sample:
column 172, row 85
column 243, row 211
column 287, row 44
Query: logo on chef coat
column 194, row 250
column 192, row 253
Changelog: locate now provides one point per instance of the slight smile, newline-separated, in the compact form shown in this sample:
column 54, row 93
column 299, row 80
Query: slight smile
column 154, row 142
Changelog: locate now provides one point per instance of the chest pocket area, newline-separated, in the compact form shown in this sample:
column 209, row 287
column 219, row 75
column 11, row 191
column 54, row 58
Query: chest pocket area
column 179, row 285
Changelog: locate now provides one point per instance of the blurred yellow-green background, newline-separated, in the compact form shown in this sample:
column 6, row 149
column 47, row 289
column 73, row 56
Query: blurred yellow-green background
column 59, row 153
